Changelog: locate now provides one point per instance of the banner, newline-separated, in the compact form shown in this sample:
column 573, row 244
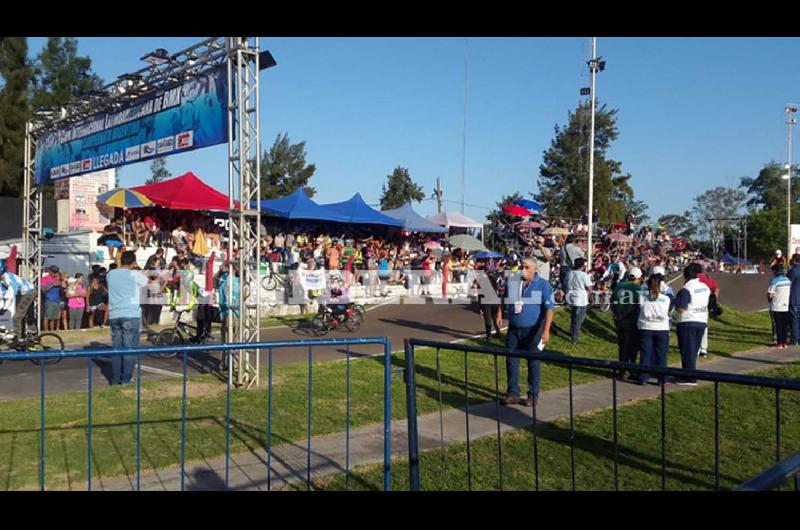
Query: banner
column 188, row 116
column 82, row 192
column 312, row 280
column 795, row 248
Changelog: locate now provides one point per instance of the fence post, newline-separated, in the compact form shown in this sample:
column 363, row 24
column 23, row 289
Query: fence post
column 411, row 405
column 387, row 416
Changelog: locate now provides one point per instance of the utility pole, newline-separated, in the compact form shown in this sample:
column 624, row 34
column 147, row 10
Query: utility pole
column 438, row 194
column 790, row 110
column 596, row 64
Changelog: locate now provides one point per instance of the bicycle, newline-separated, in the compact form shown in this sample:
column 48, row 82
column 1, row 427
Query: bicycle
column 182, row 333
column 327, row 320
column 271, row 280
column 33, row 341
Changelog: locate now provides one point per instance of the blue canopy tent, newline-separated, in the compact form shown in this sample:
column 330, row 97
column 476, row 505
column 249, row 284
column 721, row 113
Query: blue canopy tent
column 299, row 206
column 412, row 221
column 356, row 211
column 727, row 259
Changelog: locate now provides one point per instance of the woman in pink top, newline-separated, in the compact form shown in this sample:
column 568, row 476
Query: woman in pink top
column 76, row 301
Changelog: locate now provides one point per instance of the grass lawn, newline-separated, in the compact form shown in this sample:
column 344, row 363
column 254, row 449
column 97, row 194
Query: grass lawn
column 114, row 409
column 747, row 447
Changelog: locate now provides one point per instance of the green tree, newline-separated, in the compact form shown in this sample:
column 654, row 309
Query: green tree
column 768, row 190
column 496, row 237
column 400, row 189
column 158, row 171
column 60, row 74
column 564, row 172
column 15, row 75
column 766, row 232
column 712, row 213
column 284, row 169
column 679, row 225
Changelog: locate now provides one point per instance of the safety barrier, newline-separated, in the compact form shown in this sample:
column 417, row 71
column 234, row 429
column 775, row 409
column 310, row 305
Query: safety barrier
column 185, row 351
column 603, row 366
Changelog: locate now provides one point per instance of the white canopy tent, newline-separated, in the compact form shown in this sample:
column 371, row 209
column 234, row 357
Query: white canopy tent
column 455, row 219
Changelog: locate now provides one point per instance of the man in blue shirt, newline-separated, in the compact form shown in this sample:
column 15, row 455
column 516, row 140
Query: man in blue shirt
column 124, row 315
column 794, row 299
column 529, row 304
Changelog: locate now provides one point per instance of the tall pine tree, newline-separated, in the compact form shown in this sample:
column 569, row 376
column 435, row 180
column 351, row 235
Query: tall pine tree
column 284, row 169
column 14, row 112
column 564, row 173
column 60, row 73
column 400, row 189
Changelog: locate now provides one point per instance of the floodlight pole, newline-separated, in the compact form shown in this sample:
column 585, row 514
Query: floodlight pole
column 790, row 110
column 593, row 70
column 244, row 170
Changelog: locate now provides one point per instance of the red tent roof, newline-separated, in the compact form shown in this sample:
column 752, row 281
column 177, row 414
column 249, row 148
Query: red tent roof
column 186, row 192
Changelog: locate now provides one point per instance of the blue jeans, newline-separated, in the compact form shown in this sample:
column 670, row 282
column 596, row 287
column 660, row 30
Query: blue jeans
column 689, row 337
column 654, row 346
column 794, row 323
column 525, row 339
column 578, row 316
column 124, row 334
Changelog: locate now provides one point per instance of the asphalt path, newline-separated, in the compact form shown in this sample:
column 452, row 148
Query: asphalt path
column 433, row 321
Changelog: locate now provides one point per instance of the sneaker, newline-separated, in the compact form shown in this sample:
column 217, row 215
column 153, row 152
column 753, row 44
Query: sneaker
column 783, row 346
column 529, row 402
column 511, row 399
column 703, row 353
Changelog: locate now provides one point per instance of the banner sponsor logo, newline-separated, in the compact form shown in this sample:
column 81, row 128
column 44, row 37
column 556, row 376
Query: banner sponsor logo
column 165, row 145
column 148, row 149
column 87, row 165
column 133, row 153
column 185, row 139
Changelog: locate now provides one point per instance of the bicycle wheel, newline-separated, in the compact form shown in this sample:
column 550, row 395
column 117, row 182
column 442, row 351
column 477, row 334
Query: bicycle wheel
column 46, row 342
column 319, row 325
column 269, row 282
column 354, row 322
column 360, row 310
column 168, row 337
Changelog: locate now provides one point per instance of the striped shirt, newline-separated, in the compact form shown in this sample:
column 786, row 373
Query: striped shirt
column 780, row 288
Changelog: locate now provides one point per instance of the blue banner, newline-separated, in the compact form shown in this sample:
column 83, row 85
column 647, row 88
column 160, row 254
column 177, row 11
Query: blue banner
column 188, row 116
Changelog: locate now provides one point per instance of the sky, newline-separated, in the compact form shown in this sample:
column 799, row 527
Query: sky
column 694, row 113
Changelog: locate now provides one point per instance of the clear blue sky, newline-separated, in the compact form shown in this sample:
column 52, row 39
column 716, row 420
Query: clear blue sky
column 694, row 113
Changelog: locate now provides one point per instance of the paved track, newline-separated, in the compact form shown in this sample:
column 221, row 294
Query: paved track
column 444, row 322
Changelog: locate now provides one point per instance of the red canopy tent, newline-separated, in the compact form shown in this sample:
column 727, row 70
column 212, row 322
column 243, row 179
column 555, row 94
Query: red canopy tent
column 186, row 192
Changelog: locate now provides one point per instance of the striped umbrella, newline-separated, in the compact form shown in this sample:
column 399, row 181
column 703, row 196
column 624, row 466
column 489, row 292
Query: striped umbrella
column 124, row 198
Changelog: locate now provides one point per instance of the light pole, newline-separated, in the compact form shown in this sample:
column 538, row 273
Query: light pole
column 596, row 64
column 790, row 120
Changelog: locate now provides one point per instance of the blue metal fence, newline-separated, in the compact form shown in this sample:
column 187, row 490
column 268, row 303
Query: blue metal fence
column 790, row 467
column 187, row 350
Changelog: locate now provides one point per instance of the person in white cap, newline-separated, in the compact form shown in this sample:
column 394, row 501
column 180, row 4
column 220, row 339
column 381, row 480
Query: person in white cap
column 625, row 302
column 779, row 259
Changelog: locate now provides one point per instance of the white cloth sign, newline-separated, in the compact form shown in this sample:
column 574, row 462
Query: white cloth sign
column 312, row 280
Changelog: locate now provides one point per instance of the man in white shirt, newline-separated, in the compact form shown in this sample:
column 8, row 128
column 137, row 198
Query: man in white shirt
column 579, row 285
column 778, row 296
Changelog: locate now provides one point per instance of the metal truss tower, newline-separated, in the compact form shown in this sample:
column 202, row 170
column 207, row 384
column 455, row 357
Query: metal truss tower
column 244, row 183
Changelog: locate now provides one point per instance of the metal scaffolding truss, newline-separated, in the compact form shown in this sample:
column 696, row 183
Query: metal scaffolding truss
column 241, row 55
column 244, row 169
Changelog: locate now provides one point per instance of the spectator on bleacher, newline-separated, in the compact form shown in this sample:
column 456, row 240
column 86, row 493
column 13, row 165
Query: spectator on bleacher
column 156, row 262
column 112, row 237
